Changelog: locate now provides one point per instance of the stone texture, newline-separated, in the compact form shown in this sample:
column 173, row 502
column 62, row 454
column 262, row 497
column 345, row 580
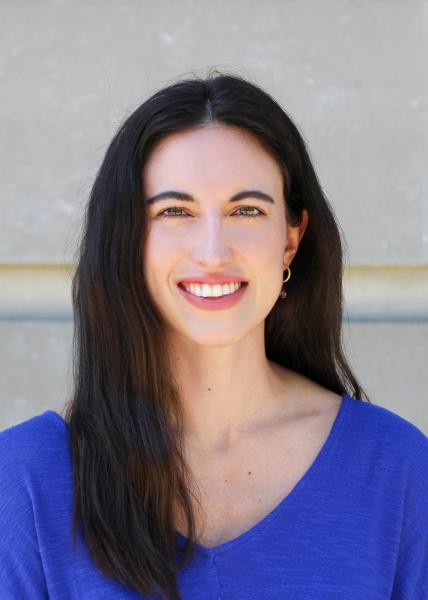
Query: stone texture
column 352, row 74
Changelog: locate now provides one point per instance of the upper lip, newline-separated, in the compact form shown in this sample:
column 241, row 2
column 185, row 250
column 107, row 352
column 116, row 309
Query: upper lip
column 212, row 279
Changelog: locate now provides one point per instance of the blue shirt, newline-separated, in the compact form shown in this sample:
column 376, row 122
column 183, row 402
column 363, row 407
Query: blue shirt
column 355, row 527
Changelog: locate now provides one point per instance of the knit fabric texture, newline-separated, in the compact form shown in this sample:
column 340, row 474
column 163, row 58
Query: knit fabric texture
column 355, row 526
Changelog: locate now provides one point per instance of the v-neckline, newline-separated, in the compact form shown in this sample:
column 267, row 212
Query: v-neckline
column 287, row 500
column 284, row 503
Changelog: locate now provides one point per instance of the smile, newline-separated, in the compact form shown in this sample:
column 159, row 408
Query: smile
column 222, row 301
column 211, row 291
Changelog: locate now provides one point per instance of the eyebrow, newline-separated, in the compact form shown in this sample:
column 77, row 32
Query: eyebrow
column 188, row 198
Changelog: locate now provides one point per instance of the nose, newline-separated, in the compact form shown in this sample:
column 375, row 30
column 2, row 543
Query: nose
column 211, row 246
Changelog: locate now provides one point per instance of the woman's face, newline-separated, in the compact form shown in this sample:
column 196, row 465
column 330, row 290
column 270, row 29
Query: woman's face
column 213, row 234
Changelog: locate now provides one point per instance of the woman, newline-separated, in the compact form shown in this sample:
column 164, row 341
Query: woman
column 217, row 444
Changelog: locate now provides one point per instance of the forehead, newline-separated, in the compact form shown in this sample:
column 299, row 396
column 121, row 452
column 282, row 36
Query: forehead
column 212, row 155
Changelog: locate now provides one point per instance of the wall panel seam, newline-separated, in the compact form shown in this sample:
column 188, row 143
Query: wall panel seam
column 378, row 293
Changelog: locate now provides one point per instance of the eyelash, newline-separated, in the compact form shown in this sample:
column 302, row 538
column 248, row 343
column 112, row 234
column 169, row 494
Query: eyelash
column 164, row 216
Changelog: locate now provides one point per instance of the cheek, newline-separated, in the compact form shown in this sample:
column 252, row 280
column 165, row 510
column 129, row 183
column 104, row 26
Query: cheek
column 161, row 248
column 264, row 244
column 170, row 242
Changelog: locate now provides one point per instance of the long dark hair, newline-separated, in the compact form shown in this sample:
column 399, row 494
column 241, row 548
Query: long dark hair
column 124, row 414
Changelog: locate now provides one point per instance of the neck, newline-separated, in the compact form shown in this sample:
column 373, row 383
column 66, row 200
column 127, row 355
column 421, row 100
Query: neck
column 226, row 392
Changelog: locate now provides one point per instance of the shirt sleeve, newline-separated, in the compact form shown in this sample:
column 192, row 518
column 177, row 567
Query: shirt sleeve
column 21, row 569
column 411, row 576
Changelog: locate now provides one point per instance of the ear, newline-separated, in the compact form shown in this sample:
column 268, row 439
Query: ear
column 294, row 235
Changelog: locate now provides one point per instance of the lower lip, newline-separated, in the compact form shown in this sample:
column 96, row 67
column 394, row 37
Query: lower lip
column 220, row 303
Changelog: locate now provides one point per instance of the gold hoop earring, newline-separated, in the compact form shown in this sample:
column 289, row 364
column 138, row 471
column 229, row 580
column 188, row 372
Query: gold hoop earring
column 283, row 293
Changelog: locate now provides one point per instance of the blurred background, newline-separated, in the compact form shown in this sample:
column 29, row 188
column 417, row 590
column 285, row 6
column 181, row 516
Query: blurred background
column 353, row 77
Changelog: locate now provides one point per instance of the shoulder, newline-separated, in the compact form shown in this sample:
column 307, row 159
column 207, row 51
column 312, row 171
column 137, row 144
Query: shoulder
column 389, row 426
column 371, row 420
column 33, row 447
column 393, row 448
column 39, row 430
column 368, row 428
column 35, row 469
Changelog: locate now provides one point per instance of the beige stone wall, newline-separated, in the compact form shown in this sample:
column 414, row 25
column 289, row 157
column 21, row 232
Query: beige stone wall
column 353, row 75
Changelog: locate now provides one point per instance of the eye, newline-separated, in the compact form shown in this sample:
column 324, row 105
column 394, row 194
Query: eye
column 162, row 214
column 259, row 212
column 177, row 208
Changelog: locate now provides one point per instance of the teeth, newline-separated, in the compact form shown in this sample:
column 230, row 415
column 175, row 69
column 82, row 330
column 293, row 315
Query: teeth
column 214, row 291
